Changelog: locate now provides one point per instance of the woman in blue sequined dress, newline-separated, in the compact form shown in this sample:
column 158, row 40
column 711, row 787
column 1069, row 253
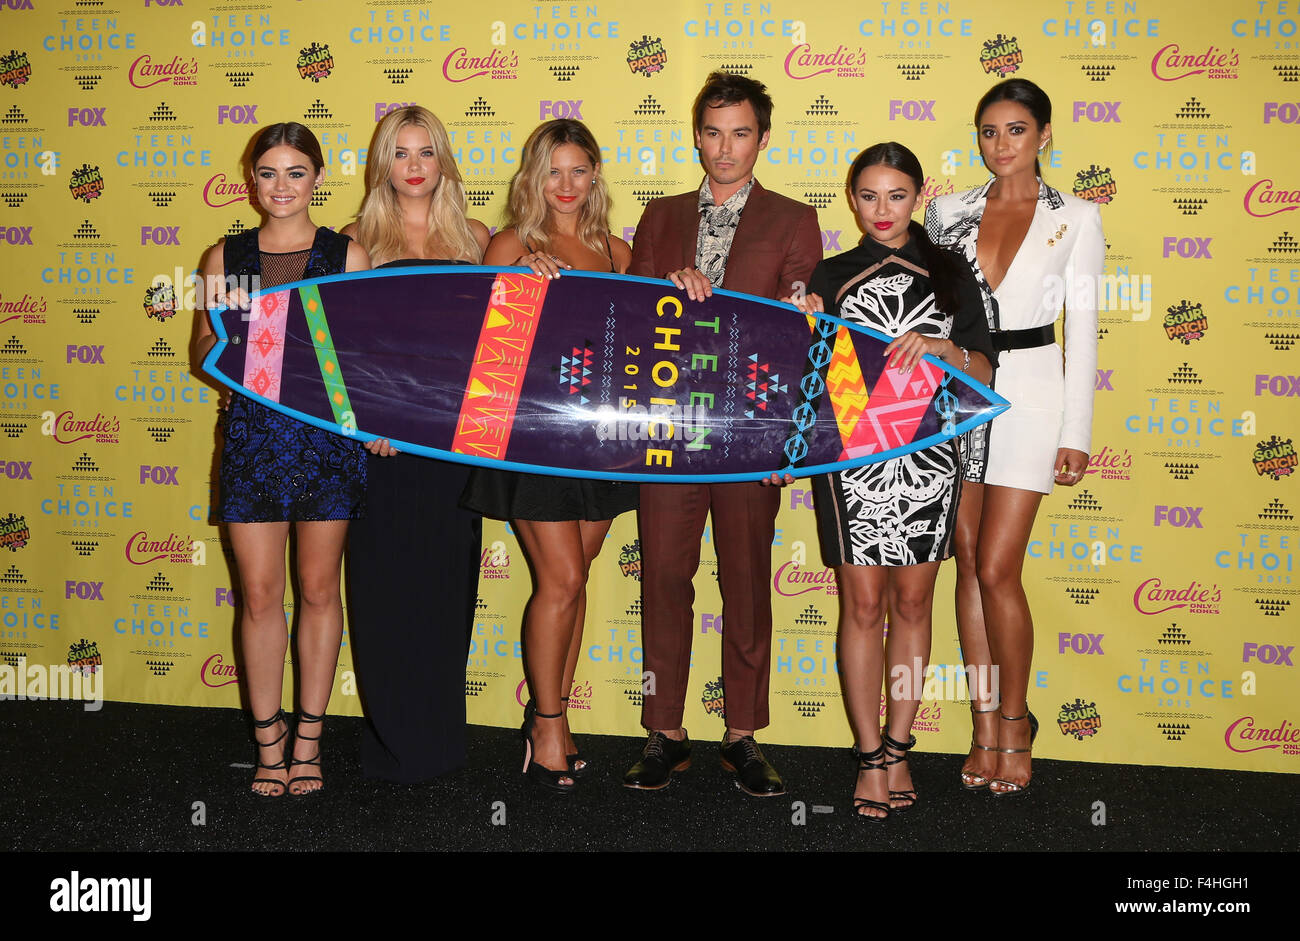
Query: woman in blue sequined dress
column 278, row 473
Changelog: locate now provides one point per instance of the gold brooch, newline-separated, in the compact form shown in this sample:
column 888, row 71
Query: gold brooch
column 1060, row 233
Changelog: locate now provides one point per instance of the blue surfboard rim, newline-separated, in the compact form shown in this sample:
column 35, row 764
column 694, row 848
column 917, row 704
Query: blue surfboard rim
column 997, row 403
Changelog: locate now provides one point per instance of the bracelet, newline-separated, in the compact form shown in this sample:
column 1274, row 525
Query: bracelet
column 965, row 362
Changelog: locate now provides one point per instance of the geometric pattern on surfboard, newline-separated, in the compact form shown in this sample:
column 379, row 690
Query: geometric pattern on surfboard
column 590, row 375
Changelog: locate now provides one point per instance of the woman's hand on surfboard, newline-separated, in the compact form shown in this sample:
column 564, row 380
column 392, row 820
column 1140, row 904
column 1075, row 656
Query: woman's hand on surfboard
column 381, row 448
column 808, row 303
column 237, row 299
column 776, row 480
column 693, row 282
column 906, row 351
column 547, row 266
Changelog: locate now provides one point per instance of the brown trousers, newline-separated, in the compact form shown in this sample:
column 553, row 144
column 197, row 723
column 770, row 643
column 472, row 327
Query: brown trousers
column 672, row 518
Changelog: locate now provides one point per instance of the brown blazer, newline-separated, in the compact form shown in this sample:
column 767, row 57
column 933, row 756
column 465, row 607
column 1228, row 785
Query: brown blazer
column 778, row 242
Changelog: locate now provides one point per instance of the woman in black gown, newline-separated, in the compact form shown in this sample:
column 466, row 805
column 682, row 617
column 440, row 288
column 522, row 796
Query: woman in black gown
column 413, row 561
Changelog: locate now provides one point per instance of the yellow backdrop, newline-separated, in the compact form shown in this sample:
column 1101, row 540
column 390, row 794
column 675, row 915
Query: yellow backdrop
column 1162, row 587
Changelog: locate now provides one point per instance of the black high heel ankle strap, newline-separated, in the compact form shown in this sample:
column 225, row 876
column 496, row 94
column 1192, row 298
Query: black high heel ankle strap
column 267, row 723
column 895, row 745
column 310, row 719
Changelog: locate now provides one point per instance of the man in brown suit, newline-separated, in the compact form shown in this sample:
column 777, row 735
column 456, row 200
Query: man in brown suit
column 730, row 233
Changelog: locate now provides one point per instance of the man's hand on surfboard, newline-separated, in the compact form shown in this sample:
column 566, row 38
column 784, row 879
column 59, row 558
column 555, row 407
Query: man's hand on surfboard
column 693, row 282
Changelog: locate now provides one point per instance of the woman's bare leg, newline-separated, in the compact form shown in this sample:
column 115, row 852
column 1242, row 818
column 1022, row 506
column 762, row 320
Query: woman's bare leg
column 910, row 590
column 593, row 538
column 1005, row 527
column 861, row 652
column 263, row 636
column 319, row 635
column 981, row 763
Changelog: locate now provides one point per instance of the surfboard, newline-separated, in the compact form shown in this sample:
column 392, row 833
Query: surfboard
column 588, row 375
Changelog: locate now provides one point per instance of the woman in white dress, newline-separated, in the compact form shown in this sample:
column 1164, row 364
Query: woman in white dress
column 1035, row 251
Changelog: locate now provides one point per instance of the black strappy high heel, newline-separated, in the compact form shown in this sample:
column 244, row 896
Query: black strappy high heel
column 896, row 753
column 576, row 758
column 280, row 765
column 306, row 717
column 870, row 761
column 542, row 775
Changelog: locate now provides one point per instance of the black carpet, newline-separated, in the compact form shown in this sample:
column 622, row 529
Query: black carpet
column 140, row 778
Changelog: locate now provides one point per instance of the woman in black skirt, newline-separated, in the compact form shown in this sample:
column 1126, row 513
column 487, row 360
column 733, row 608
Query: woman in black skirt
column 413, row 560
column 558, row 218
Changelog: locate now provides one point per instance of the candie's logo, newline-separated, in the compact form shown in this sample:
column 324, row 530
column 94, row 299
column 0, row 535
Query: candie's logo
column 86, row 183
column 315, row 62
column 495, row 562
column 1185, row 322
column 15, row 69
column 629, row 560
column 1263, row 199
column 646, row 56
column 1244, row 735
column 1079, row 719
column 141, row 549
column 216, row 672
column 28, row 309
column 1095, row 184
column 460, row 66
column 1001, row 54
column 791, row 580
column 1170, row 63
column 160, row 301
column 145, row 72
column 802, row 62
column 580, row 696
column 1111, row 464
column 714, row 699
column 219, row 191
column 14, row 533
column 1153, row 597
column 1274, row 457
column 67, row 428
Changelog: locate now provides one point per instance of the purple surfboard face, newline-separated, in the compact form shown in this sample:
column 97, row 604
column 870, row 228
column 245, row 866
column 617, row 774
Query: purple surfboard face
column 588, row 375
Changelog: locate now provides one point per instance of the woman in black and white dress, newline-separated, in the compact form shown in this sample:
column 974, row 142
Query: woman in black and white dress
column 886, row 527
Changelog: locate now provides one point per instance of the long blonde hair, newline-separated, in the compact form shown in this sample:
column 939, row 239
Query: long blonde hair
column 526, row 210
column 380, row 227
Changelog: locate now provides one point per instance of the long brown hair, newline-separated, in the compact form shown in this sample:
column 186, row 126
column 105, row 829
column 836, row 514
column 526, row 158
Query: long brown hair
column 380, row 228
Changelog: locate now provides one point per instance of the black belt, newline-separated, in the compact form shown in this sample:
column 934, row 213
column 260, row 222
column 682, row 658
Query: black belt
column 1023, row 339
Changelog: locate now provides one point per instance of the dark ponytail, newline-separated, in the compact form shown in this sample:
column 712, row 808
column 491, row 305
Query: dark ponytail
column 1024, row 93
column 946, row 269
